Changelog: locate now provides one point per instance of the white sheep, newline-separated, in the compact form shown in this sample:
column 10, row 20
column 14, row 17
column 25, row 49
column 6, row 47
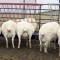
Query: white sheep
column 25, row 29
column 47, row 33
column 9, row 30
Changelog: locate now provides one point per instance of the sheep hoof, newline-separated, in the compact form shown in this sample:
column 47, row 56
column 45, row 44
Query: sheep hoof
column 45, row 51
column 59, row 55
column 30, row 47
column 6, row 47
column 18, row 47
column 40, row 49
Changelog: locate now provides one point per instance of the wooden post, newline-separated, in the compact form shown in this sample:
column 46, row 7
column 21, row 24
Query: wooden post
column 39, row 16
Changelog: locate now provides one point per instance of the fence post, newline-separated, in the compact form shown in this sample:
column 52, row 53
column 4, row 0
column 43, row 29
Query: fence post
column 39, row 16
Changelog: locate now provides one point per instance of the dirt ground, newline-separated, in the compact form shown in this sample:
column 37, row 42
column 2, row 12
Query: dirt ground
column 25, row 53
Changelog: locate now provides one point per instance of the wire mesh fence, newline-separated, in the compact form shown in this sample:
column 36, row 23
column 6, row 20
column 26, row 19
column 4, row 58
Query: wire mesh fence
column 26, row 10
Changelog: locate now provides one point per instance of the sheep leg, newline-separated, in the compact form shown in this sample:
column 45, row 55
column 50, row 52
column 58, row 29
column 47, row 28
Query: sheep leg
column 45, row 46
column 40, row 40
column 6, row 42
column 19, row 42
column 30, row 41
column 45, row 49
column 13, row 42
column 40, row 45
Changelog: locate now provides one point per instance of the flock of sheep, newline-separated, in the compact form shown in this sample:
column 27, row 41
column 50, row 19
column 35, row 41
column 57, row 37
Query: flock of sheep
column 48, row 32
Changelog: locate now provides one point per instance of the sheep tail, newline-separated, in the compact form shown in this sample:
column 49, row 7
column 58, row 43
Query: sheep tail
column 25, row 30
